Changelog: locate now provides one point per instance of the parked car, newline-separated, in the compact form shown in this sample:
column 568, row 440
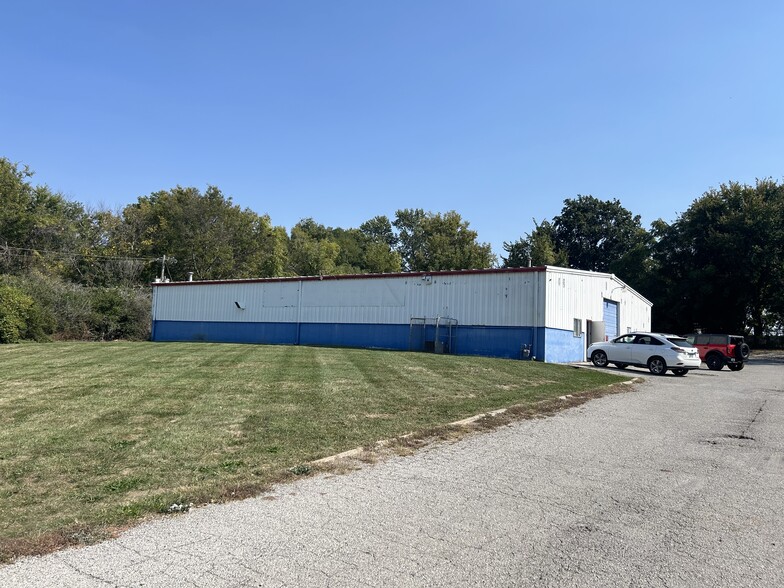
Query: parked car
column 658, row 352
column 720, row 350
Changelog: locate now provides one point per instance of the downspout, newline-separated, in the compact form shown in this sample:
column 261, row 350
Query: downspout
column 299, row 312
column 534, row 346
column 154, row 312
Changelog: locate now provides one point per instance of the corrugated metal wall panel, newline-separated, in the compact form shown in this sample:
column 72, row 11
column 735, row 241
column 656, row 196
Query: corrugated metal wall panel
column 574, row 294
column 219, row 303
column 486, row 299
column 551, row 298
column 483, row 299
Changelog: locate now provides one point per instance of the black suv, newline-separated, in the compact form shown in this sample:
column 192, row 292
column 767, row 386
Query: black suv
column 720, row 350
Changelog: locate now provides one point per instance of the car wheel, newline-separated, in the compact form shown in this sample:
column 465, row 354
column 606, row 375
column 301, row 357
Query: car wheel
column 680, row 372
column 621, row 366
column 735, row 367
column 714, row 361
column 599, row 358
column 657, row 366
column 742, row 352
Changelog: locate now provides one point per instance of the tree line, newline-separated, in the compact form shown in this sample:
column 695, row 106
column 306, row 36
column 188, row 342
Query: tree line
column 68, row 271
column 718, row 267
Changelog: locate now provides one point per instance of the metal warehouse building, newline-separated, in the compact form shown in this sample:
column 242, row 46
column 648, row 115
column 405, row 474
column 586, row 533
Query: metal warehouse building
column 545, row 313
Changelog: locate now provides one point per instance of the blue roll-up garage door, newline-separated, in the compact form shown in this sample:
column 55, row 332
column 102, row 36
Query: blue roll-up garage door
column 610, row 319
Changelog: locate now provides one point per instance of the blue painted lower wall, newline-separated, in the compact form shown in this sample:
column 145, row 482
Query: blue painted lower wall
column 551, row 345
column 563, row 346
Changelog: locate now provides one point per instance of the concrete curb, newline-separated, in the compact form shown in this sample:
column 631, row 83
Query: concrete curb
column 358, row 451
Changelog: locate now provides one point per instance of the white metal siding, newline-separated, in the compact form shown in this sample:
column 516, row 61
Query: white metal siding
column 549, row 298
column 578, row 294
column 494, row 299
column 216, row 302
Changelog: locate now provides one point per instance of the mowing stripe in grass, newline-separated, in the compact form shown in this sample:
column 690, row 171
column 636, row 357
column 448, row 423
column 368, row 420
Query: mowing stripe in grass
column 96, row 435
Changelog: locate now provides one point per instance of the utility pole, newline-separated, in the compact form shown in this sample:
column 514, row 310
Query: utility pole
column 163, row 261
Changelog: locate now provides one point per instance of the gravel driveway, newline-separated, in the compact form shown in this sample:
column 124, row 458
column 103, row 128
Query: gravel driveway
column 679, row 482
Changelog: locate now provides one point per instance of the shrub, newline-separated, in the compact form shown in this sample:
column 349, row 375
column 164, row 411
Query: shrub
column 120, row 313
column 15, row 310
column 64, row 310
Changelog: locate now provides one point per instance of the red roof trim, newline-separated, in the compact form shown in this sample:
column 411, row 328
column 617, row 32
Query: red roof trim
column 511, row 270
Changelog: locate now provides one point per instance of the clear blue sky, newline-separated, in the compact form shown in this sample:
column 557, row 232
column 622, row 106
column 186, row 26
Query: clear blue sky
column 344, row 110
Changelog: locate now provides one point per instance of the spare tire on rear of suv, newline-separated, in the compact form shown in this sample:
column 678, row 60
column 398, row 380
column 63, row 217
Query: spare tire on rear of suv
column 742, row 352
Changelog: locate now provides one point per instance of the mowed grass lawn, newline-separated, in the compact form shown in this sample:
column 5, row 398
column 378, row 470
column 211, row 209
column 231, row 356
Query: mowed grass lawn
column 94, row 436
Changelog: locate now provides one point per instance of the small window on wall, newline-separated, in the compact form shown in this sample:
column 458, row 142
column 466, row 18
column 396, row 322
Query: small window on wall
column 578, row 327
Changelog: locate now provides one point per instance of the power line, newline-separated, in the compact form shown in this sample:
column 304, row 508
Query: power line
column 70, row 255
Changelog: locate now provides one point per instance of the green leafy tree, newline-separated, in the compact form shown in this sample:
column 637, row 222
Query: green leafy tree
column 312, row 250
column 98, row 261
column 41, row 230
column 273, row 253
column 379, row 258
column 369, row 249
column 434, row 241
column 380, row 253
column 601, row 235
column 412, row 238
column 16, row 204
column 206, row 234
column 351, row 256
column 536, row 248
column 720, row 266
column 319, row 250
column 379, row 230
column 38, row 228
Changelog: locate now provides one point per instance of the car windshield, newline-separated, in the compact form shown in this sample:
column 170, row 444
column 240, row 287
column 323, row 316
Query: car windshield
column 679, row 341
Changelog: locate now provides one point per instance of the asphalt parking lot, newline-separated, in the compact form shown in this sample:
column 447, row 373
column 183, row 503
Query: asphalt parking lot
column 679, row 482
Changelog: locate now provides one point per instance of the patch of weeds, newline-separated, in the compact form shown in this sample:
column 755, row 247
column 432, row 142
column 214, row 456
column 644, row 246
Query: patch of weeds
column 132, row 510
column 367, row 456
column 207, row 469
column 84, row 536
column 122, row 513
column 122, row 485
column 301, row 470
column 90, row 497
column 409, row 444
column 241, row 491
column 344, row 466
column 272, row 449
column 14, row 547
column 492, row 421
column 231, row 465
column 121, row 444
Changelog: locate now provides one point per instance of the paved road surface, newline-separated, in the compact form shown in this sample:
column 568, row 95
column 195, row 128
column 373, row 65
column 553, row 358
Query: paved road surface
column 678, row 483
